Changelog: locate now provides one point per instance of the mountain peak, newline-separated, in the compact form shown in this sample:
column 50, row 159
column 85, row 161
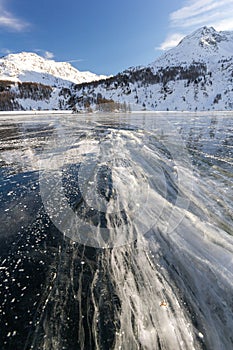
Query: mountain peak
column 29, row 66
column 204, row 43
column 208, row 37
column 24, row 54
column 205, row 30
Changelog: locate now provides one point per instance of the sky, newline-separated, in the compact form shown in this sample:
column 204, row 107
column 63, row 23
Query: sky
column 102, row 36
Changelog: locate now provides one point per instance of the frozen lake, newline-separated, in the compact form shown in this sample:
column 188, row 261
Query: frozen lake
column 116, row 231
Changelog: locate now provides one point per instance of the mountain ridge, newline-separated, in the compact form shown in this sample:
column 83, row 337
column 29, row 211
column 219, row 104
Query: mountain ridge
column 203, row 43
column 41, row 70
column 197, row 74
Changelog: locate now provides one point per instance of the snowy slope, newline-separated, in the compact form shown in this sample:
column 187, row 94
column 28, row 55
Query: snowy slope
column 30, row 67
column 195, row 75
column 205, row 44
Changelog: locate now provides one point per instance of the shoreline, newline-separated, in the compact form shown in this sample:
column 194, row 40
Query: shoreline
column 70, row 112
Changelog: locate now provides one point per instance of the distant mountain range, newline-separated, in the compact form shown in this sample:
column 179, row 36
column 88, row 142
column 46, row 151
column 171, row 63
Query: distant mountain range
column 195, row 75
column 30, row 67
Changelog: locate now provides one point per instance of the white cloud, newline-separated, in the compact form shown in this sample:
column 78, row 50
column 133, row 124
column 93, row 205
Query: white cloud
column 48, row 55
column 225, row 24
column 44, row 53
column 76, row 60
column 11, row 22
column 198, row 13
column 5, row 51
column 193, row 8
column 171, row 41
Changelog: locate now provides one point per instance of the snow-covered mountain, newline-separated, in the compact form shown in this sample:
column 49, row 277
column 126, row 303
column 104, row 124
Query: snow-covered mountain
column 205, row 44
column 30, row 67
column 195, row 75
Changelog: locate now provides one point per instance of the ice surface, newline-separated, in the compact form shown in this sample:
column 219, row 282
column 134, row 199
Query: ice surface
column 164, row 277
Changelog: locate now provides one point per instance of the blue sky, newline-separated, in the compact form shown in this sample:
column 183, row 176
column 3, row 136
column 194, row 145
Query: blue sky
column 105, row 36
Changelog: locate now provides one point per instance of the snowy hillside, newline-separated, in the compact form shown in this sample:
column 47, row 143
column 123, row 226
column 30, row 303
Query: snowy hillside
column 30, row 67
column 205, row 44
column 195, row 75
